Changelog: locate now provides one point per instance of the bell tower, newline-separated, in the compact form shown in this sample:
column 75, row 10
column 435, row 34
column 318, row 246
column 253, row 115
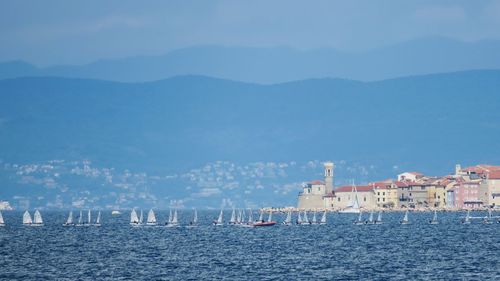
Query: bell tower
column 328, row 176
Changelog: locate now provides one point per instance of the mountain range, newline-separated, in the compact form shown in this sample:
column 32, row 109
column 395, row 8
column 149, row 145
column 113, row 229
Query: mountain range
column 176, row 126
column 281, row 64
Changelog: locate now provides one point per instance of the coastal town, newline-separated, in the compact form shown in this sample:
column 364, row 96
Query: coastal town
column 474, row 187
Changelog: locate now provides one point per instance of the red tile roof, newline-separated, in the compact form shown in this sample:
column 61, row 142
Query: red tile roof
column 495, row 175
column 316, row 182
column 359, row 188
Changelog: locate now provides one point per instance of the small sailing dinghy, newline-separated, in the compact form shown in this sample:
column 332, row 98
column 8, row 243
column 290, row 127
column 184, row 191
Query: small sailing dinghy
column 37, row 219
column 466, row 220
column 269, row 221
column 69, row 221
column 232, row 220
column 219, row 221
column 288, row 219
column 151, row 221
column 261, row 216
column 89, row 219
column 134, row 220
column 194, row 222
column 141, row 218
column 434, row 218
column 379, row 218
column 305, row 219
column 80, row 219
column 353, row 206
column 370, row 218
column 98, row 219
column 172, row 220
column 2, row 223
column 487, row 219
column 359, row 221
column 27, row 218
column 323, row 218
column 314, row 220
column 405, row 218
column 299, row 218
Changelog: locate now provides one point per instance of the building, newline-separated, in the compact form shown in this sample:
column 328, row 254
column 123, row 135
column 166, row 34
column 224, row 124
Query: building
column 489, row 189
column 343, row 196
column 311, row 197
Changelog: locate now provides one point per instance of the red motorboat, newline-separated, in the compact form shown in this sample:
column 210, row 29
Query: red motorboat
column 263, row 223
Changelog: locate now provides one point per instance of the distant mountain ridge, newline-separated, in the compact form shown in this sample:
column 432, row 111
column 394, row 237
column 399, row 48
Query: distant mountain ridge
column 281, row 64
column 200, row 141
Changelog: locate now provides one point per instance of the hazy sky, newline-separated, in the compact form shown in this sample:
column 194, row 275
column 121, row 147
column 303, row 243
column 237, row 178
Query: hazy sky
column 55, row 32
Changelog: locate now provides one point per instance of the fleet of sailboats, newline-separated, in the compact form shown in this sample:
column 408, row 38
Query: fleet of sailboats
column 239, row 217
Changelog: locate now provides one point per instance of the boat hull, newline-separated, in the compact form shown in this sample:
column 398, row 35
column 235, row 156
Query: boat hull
column 264, row 224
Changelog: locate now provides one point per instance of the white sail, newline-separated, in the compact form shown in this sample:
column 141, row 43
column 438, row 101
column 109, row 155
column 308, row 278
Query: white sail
column 353, row 206
column 242, row 216
column 305, row 219
column 1, row 219
column 88, row 217
column 27, row 218
column 37, row 218
column 170, row 217
column 250, row 216
column 80, row 218
column 405, row 218
column 379, row 217
column 435, row 216
column 360, row 217
column 238, row 217
column 70, row 218
column 195, row 219
column 299, row 218
column 288, row 219
column 323, row 218
column 133, row 217
column 141, row 218
column 314, row 220
column 270, row 218
column 467, row 217
column 261, row 216
column 151, row 217
column 370, row 219
column 98, row 220
column 219, row 220
column 174, row 218
column 233, row 217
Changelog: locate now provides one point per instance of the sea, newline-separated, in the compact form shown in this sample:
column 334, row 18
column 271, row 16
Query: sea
column 336, row 251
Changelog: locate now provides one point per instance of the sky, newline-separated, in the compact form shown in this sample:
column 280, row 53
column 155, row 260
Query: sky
column 68, row 32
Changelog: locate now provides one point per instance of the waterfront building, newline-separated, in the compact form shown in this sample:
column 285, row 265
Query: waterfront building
column 311, row 197
column 489, row 189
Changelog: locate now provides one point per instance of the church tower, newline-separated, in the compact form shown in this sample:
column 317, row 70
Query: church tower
column 328, row 177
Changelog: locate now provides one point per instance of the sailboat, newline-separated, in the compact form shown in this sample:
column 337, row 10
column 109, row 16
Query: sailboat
column 353, row 207
column 299, row 218
column 250, row 217
column 233, row 217
column 89, row 221
column 219, row 220
column 434, row 218
column 379, row 218
column 141, row 218
column 370, row 218
column 314, row 220
column 305, row 219
column 27, row 218
column 69, row 221
column 151, row 218
column 466, row 220
column 238, row 217
column 37, row 219
column 405, row 218
column 269, row 221
column 80, row 219
column 172, row 220
column 134, row 220
column 487, row 219
column 359, row 221
column 98, row 219
column 194, row 222
column 288, row 219
column 323, row 218
column 261, row 216
column 2, row 223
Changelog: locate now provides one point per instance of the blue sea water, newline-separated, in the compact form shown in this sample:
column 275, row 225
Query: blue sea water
column 337, row 251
